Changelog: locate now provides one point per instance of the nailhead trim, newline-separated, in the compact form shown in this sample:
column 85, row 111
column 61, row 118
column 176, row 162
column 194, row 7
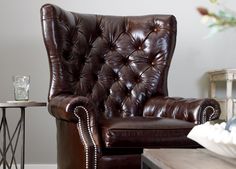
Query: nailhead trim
column 79, row 127
column 204, row 113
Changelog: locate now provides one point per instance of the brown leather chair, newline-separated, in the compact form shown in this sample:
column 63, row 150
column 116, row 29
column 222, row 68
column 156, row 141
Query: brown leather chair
column 108, row 88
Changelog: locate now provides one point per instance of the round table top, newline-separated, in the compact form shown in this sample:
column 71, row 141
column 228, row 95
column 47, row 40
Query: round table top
column 12, row 104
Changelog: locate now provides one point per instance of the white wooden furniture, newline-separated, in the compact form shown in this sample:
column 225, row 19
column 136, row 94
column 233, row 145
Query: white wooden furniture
column 10, row 140
column 228, row 104
column 185, row 159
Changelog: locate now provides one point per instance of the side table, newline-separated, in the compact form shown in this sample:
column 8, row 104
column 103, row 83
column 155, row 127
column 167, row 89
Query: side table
column 8, row 147
column 228, row 103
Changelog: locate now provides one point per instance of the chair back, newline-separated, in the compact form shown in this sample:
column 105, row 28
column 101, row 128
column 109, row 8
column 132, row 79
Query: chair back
column 118, row 62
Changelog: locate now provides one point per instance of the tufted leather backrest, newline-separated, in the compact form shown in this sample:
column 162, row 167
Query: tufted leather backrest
column 118, row 62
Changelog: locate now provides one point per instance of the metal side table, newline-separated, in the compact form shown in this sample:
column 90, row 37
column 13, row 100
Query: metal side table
column 9, row 147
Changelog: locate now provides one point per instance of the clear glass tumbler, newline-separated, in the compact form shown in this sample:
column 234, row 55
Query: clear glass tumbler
column 21, row 87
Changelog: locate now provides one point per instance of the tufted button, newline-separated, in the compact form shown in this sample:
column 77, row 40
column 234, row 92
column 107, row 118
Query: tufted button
column 112, row 46
column 67, row 55
column 151, row 60
column 129, row 93
column 108, row 92
column 138, row 80
column 140, row 48
column 90, row 46
column 156, row 29
column 116, row 77
column 95, row 76
column 126, row 61
column 82, row 61
column 102, row 60
column 90, row 90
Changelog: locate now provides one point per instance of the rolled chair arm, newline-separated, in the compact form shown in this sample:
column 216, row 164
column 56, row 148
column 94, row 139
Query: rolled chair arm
column 81, row 110
column 63, row 107
column 197, row 111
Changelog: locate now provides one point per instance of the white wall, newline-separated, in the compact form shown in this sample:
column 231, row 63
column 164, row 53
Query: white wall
column 22, row 52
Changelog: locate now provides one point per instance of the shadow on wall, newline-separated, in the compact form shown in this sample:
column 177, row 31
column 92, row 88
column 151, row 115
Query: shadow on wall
column 203, row 84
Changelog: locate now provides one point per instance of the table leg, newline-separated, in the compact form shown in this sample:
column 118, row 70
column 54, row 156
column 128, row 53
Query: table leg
column 23, row 137
column 4, row 157
column 212, row 90
column 8, row 141
column 229, row 100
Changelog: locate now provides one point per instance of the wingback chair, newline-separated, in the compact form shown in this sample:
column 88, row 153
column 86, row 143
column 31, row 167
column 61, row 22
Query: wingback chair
column 108, row 88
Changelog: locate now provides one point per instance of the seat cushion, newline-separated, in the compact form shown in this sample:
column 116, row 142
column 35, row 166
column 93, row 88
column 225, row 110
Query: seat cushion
column 146, row 133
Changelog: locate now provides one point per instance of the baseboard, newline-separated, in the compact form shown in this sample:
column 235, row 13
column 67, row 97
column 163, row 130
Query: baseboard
column 37, row 166
column 40, row 166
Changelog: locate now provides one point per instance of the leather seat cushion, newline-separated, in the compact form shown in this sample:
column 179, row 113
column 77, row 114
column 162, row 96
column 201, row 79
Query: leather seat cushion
column 146, row 133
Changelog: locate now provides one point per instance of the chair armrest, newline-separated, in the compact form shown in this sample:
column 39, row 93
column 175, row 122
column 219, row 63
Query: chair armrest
column 63, row 107
column 81, row 110
column 197, row 111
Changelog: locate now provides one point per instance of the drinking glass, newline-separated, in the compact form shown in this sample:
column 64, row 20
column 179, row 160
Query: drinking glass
column 21, row 87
